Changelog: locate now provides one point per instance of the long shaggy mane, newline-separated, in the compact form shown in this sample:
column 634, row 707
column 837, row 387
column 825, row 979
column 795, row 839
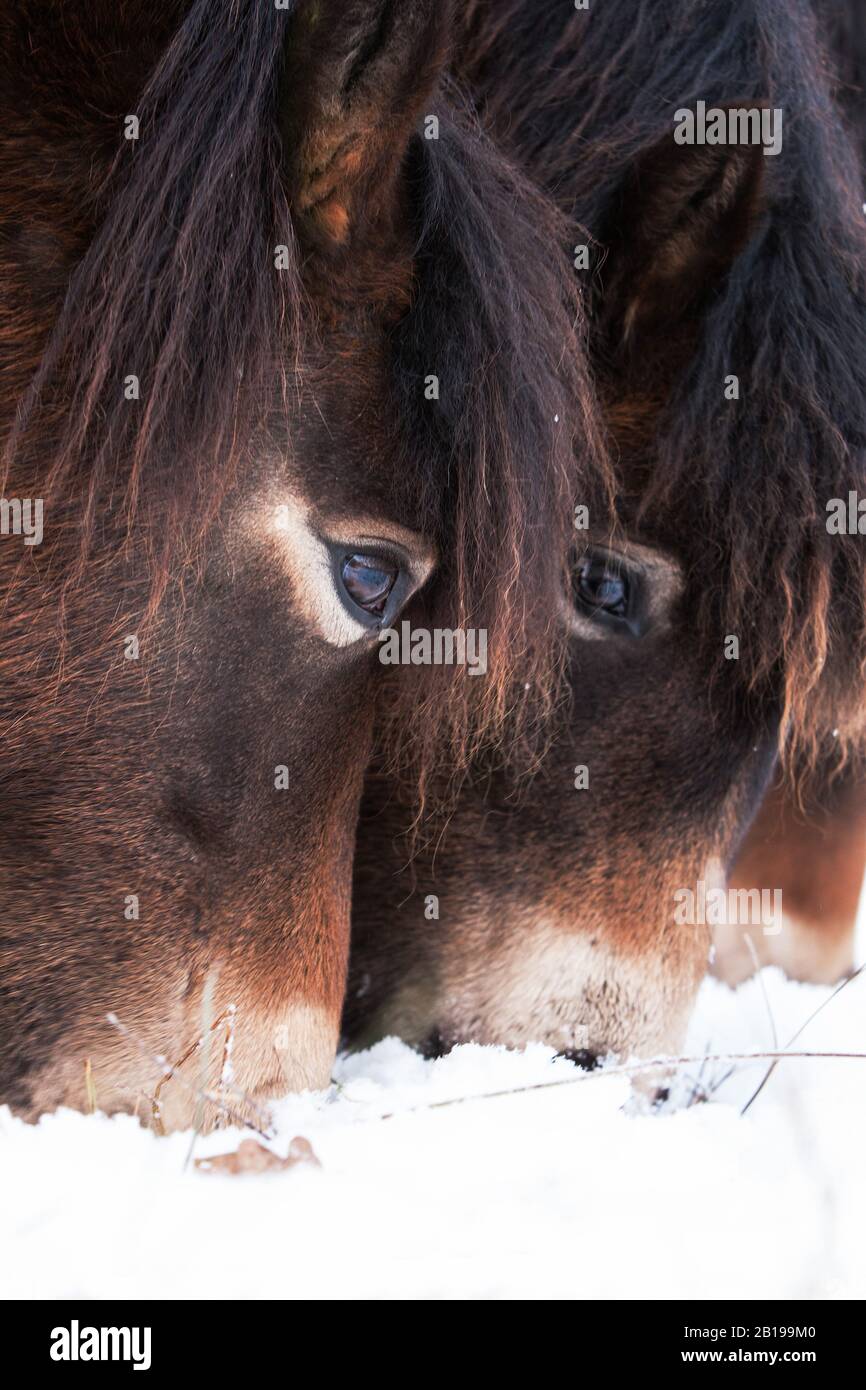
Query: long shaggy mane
column 580, row 98
column 169, row 242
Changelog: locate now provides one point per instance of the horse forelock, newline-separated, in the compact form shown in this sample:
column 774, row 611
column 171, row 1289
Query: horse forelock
column 518, row 418
column 752, row 478
column 174, row 284
column 176, row 290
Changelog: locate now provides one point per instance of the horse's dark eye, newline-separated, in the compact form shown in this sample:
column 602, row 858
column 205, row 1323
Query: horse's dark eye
column 601, row 587
column 368, row 581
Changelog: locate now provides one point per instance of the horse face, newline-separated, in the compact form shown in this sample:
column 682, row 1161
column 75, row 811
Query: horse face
column 715, row 623
column 574, row 910
column 206, row 779
column 181, row 779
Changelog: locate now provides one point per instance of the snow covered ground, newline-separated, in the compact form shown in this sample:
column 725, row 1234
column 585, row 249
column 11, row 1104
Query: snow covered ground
column 561, row 1192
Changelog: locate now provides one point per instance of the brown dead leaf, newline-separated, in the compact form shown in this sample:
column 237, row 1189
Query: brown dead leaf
column 253, row 1157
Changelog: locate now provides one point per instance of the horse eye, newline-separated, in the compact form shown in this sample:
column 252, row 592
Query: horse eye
column 602, row 588
column 368, row 580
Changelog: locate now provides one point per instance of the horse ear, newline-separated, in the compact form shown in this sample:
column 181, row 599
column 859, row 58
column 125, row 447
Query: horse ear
column 359, row 73
column 683, row 217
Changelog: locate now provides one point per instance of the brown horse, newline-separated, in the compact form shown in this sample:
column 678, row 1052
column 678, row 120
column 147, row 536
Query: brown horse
column 272, row 351
column 722, row 625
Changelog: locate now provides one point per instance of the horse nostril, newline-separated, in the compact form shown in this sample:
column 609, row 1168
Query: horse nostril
column 433, row 1045
column 585, row 1059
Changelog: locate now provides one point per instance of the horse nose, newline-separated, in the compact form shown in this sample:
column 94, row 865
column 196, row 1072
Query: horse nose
column 433, row 1045
column 586, row 1060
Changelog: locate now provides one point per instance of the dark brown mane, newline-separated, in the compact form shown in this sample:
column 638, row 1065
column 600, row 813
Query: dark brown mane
column 516, row 424
column 752, row 479
column 176, row 287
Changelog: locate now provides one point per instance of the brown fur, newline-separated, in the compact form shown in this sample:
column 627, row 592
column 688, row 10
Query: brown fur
column 296, row 392
column 558, row 906
column 814, row 853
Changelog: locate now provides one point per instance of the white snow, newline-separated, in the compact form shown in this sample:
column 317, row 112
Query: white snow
column 566, row 1192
